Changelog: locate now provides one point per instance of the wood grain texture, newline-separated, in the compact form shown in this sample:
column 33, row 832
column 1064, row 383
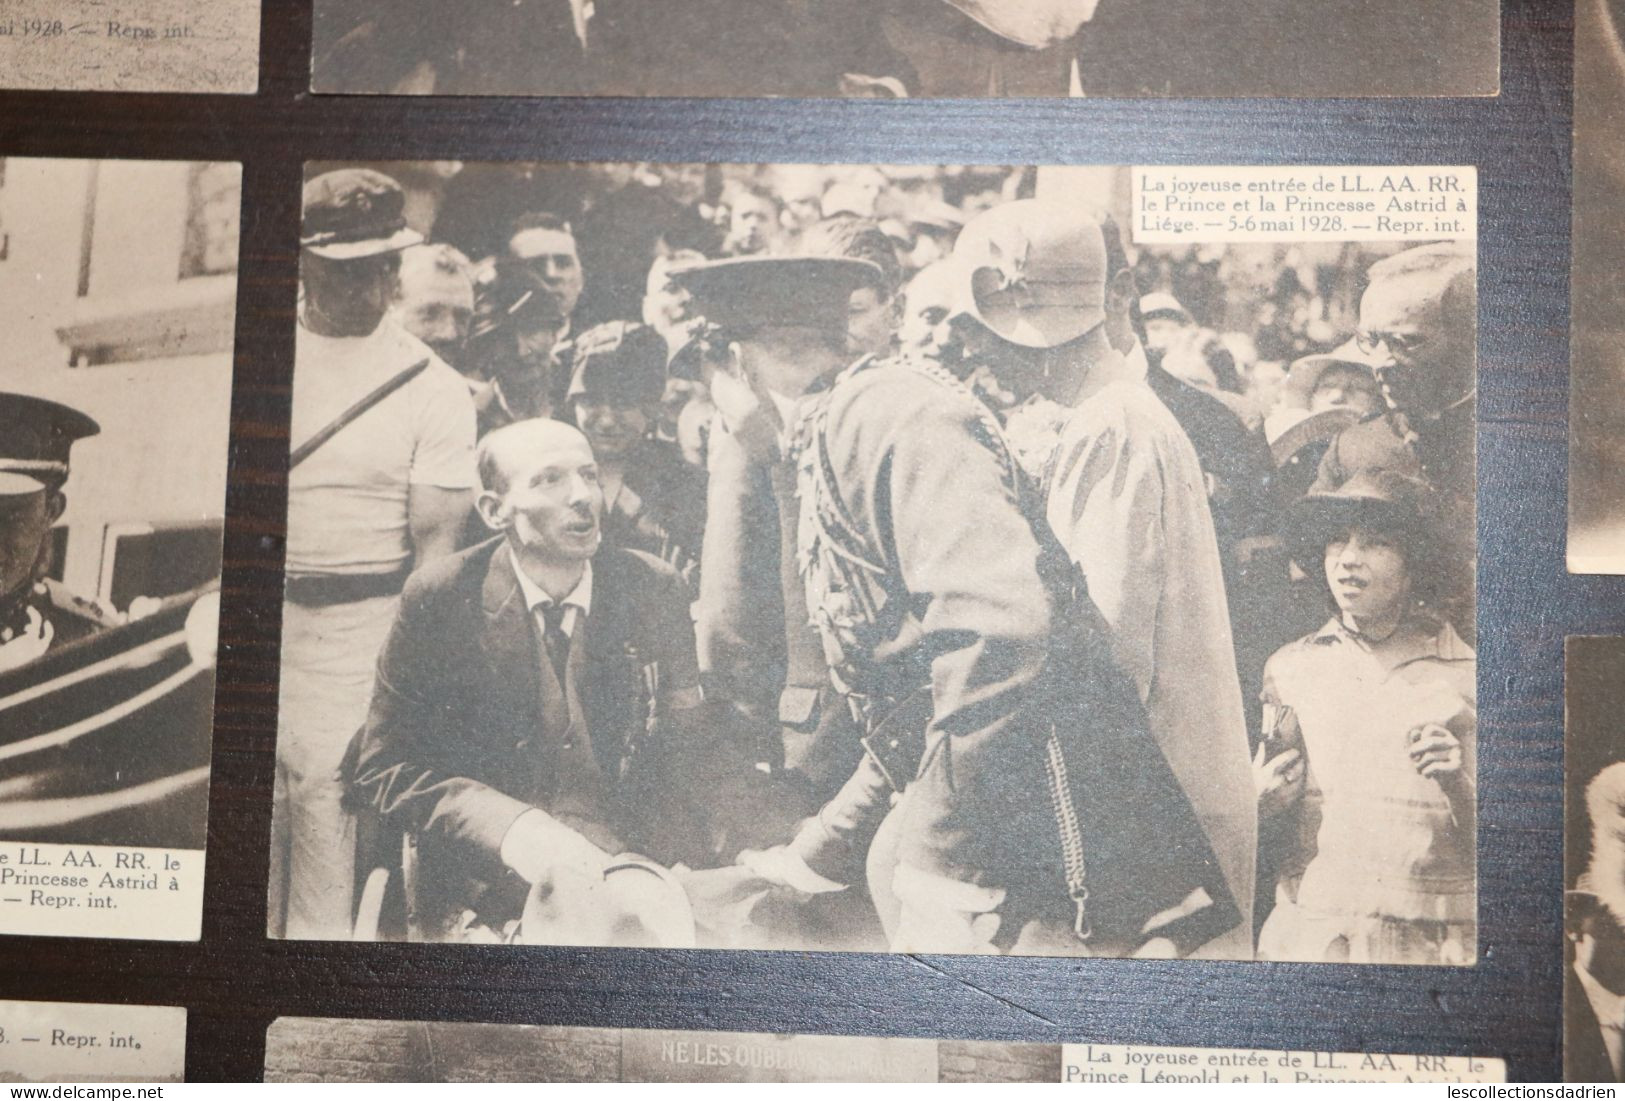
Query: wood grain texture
column 235, row 981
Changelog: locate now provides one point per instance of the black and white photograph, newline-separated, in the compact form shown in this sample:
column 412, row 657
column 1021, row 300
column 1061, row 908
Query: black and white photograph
column 1594, row 861
column 894, row 49
column 302, row 1050
column 118, row 294
column 875, row 558
column 332, row 1050
column 1596, row 542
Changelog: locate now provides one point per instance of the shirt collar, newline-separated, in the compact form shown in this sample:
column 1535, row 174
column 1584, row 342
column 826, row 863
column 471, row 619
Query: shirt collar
column 1136, row 361
column 536, row 597
column 1429, row 640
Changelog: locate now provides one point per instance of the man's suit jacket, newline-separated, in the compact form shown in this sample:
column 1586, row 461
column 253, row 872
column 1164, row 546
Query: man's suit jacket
column 465, row 733
column 1585, row 1057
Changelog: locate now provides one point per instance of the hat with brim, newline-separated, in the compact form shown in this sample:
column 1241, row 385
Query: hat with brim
column 1380, row 500
column 639, row 905
column 742, row 295
column 1162, row 306
column 1305, row 373
column 354, row 213
column 1307, row 431
column 1033, row 272
column 937, row 216
column 36, row 438
column 624, row 361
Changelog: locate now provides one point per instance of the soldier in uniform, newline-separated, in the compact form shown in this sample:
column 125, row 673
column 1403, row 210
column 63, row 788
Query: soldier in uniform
column 37, row 614
column 946, row 615
column 757, row 648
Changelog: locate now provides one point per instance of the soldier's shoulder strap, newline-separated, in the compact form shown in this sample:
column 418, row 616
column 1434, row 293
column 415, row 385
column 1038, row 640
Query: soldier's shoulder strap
column 60, row 600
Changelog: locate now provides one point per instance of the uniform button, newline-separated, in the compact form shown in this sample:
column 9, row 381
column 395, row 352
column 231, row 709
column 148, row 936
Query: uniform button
column 522, row 743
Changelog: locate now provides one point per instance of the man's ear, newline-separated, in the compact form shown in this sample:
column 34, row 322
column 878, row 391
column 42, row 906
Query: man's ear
column 489, row 506
column 56, row 506
column 1121, row 293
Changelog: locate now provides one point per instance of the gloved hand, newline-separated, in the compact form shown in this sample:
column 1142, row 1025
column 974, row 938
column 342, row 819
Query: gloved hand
column 784, row 867
column 944, row 916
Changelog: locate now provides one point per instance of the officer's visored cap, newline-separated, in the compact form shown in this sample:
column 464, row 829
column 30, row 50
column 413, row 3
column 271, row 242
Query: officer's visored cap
column 1033, row 272
column 354, row 213
column 36, row 437
column 620, row 360
column 733, row 298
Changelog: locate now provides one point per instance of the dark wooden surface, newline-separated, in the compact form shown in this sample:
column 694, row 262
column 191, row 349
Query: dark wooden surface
column 235, row 981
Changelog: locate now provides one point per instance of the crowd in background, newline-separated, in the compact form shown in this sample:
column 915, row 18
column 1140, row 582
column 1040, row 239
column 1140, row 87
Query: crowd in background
column 550, row 291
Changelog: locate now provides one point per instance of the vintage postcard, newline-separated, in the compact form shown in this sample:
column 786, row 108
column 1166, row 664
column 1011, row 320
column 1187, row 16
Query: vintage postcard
column 1594, row 860
column 131, row 45
column 890, row 49
column 118, row 294
column 69, row 1042
column 314, row 1050
column 1597, row 367
column 765, row 557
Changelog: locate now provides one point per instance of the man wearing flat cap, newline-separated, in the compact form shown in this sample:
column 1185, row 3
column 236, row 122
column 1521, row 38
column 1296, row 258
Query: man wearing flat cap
column 1126, row 497
column 381, row 477
column 37, row 614
column 776, row 328
column 654, row 499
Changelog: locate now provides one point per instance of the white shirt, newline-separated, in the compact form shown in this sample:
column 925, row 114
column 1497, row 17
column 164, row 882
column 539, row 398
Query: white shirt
column 347, row 503
column 1610, row 1010
column 1128, row 501
column 577, row 603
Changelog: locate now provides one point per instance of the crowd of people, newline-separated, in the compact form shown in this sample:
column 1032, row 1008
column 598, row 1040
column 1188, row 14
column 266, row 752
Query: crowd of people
column 896, row 48
column 807, row 557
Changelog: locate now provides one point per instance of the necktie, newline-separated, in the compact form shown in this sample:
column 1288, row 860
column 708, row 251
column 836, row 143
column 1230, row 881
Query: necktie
column 557, row 641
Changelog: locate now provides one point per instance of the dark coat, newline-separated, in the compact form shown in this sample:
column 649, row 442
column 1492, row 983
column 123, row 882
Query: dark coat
column 464, row 732
column 1585, row 1057
column 979, row 619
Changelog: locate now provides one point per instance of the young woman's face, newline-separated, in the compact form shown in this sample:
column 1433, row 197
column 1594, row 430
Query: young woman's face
column 1367, row 573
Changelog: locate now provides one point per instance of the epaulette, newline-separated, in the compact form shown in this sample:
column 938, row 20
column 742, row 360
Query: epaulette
column 61, row 599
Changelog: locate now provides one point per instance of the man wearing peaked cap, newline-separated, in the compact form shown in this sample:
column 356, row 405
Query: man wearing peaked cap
column 1126, row 497
column 354, row 213
column 36, row 614
column 381, row 479
column 774, row 328
column 933, row 608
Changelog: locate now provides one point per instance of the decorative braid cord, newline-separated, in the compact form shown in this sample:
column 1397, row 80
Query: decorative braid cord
column 1071, row 833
